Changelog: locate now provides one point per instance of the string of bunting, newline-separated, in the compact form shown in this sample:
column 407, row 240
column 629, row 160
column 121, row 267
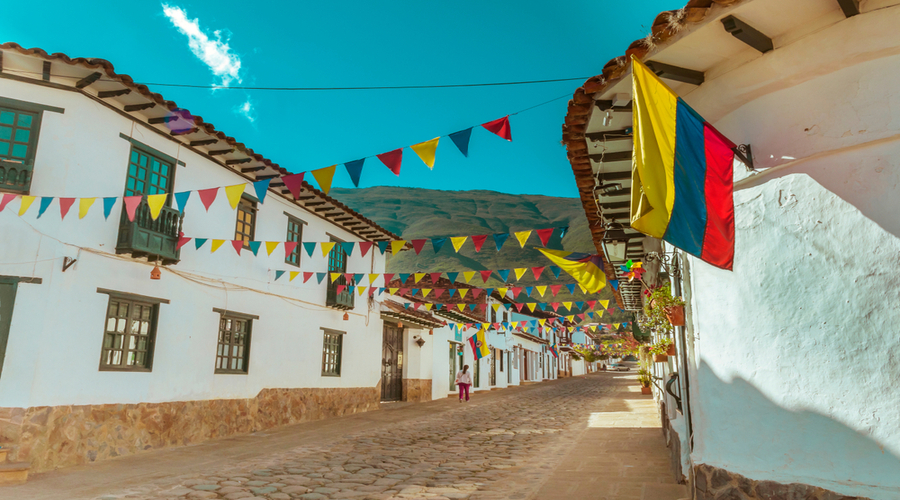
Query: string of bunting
column 293, row 182
column 551, row 323
column 396, row 246
column 578, row 305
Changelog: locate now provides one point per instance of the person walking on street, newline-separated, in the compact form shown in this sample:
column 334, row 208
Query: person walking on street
column 464, row 381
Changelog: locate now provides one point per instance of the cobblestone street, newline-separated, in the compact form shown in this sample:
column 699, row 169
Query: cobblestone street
column 518, row 443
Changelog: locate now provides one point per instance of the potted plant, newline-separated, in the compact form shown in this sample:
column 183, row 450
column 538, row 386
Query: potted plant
column 660, row 348
column 645, row 379
column 663, row 311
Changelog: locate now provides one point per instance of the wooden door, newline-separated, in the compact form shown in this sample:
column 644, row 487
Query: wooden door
column 7, row 299
column 392, row 364
column 452, row 366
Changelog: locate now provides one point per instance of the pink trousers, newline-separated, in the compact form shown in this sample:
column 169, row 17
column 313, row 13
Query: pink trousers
column 464, row 388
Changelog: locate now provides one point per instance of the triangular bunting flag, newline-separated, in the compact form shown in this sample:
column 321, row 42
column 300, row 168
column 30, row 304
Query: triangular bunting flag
column 544, row 235
column 309, row 246
column 392, row 160
column 293, row 274
column 478, row 241
column 531, row 306
column 485, row 275
column 364, row 247
column 8, row 197
column 326, row 247
column 418, row 245
column 372, row 278
column 65, row 204
column 182, row 241
column 382, row 246
column 437, row 243
column 198, row 242
column 458, row 241
column 215, row 245
column 156, row 202
column 354, row 170
column 26, row 202
column 522, row 236
column 108, row 204
column 294, row 183
column 500, row 239
column 452, row 277
column 324, row 176
column 45, row 204
column 520, row 271
column 500, row 127
column 615, row 284
column 426, row 151
column 571, row 287
column 397, row 245
column 261, row 188
column 541, row 289
column 233, row 193
column 254, row 247
column 272, row 245
column 84, row 204
column 554, row 289
column 463, row 292
column 467, row 277
column 404, row 277
column 555, row 270
column 348, row 247
column 208, row 196
column 238, row 245
column 181, row 200
column 334, row 276
column 417, row 277
column 504, row 274
column 320, row 277
column 537, row 272
column 278, row 274
column 289, row 247
column 461, row 140
column 131, row 204
column 387, row 278
column 434, row 277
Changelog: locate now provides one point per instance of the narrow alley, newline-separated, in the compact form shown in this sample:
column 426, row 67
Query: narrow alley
column 594, row 437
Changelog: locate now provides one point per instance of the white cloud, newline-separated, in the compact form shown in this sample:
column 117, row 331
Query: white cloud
column 214, row 52
column 247, row 110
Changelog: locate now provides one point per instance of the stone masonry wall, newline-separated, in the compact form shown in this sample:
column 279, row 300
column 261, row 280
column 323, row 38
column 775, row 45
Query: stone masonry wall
column 59, row 436
column 416, row 390
column 712, row 483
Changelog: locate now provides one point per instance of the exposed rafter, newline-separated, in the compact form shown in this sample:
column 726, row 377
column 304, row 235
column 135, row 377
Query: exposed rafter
column 609, row 135
column 84, row 82
column 676, row 73
column 747, row 34
column 612, row 156
column 238, row 162
column 139, row 107
column 850, row 7
column 185, row 132
column 221, row 152
column 204, row 142
column 103, row 94
column 162, row 119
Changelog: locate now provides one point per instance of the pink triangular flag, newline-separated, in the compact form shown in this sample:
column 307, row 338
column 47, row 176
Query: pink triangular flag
column 519, row 306
column 289, row 247
column 591, row 304
column 475, row 292
column 182, row 241
column 6, row 199
column 555, row 289
column 417, row 245
column 387, row 278
column 537, row 272
column 208, row 196
column 238, row 245
column 364, row 247
column 340, row 288
column 500, row 127
column 544, row 235
column 479, row 241
column 307, row 276
column 435, row 277
column 485, row 275
column 438, row 292
column 392, row 160
column 64, row 205
column 131, row 204
column 294, row 183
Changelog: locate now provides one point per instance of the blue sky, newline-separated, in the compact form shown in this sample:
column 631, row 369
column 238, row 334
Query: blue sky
column 361, row 43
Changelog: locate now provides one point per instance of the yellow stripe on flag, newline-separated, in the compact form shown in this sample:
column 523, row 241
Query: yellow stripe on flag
column 26, row 202
column 426, row 151
column 586, row 273
column 271, row 246
column 215, row 245
column 653, row 171
column 233, row 193
column 326, row 247
column 84, row 204
column 458, row 242
column 156, row 202
column 397, row 245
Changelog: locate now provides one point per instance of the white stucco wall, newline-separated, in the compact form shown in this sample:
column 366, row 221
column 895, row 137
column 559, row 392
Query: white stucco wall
column 797, row 352
column 54, row 347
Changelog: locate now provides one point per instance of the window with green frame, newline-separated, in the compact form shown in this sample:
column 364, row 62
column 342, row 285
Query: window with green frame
column 18, row 135
column 294, row 234
column 148, row 174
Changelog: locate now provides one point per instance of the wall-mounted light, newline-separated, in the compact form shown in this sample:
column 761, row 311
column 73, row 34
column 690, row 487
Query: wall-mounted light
column 419, row 341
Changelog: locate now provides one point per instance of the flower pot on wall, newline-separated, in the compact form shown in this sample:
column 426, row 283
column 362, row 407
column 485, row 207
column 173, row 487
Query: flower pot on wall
column 671, row 351
column 646, row 390
column 675, row 314
column 660, row 358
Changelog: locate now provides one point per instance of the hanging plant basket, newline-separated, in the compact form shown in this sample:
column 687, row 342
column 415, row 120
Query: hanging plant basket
column 671, row 351
column 660, row 358
column 675, row 314
column 646, row 390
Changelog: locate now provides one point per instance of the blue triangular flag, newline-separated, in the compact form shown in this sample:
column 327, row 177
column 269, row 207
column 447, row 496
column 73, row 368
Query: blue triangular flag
column 381, row 289
column 555, row 270
column 571, row 287
column 108, row 206
column 461, row 139
column 181, row 200
column 278, row 274
column 382, row 246
column 45, row 204
column 488, row 291
column 415, row 291
column 357, row 278
column 450, row 292
column 354, row 169
column 404, row 277
column 261, row 188
column 562, row 231
column 310, row 247
column 615, row 284
column 504, row 273
column 198, row 242
column 254, row 246
column 542, row 305
column 472, row 306
column 406, row 305
column 579, row 305
column 437, row 243
column 452, row 277
column 528, row 290
column 500, row 239
column 320, row 277
column 348, row 247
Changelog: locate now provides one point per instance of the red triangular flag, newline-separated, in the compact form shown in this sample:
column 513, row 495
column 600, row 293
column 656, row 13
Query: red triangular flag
column 348, row 277
column 340, row 288
column 403, row 291
column 208, row 196
column 435, row 277
column 591, row 304
column 289, row 247
column 64, row 205
column 580, row 316
column 478, row 241
column 364, row 247
column 555, row 289
column 482, row 307
column 182, row 241
column 307, row 276
column 238, row 245
column 387, row 278
column 294, row 183
column 485, row 275
column 475, row 292
column 554, row 305
column 6, row 199
column 392, row 160
column 544, row 235
column 372, row 291
column 537, row 272
column 516, row 290
column 131, row 204
column 418, row 245
column 519, row 306
column 500, row 127
column 438, row 292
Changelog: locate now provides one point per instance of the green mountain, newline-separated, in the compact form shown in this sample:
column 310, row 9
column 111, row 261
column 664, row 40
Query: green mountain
column 426, row 213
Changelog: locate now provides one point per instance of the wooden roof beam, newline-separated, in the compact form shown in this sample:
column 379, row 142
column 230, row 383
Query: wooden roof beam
column 315, row 204
column 747, row 34
column 850, row 7
column 238, row 162
column 609, row 135
column 253, row 169
column 139, row 107
column 84, row 82
column 162, row 119
column 221, row 152
column 614, row 176
column 676, row 73
column 613, row 156
column 113, row 93
column 605, row 105
column 323, row 209
column 184, row 132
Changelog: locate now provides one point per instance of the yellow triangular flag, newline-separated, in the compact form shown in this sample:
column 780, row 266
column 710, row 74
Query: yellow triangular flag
column 294, row 275
column 397, row 245
column 458, row 242
column 426, row 150
column 583, row 289
column 418, row 276
column 428, row 307
column 541, row 289
column 335, row 276
column 616, row 325
column 393, row 291
column 361, row 290
column 503, row 291
column 26, row 202
column 372, row 278
column 326, row 247
column 215, row 245
column 520, row 272
column 156, row 202
column 461, row 307
column 567, row 305
column 542, row 321
column 531, row 306
column 84, row 204
column 495, row 306
column 522, row 236
column 233, row 193
column 425, row 292
column 570, row 318
column 515, row 324
column 271, row 246
column 604, row 303
column 324, row 176
column 467, row 275
column 463, row 292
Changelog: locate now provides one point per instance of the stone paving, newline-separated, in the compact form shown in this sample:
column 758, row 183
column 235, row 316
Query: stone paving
column 503, row 445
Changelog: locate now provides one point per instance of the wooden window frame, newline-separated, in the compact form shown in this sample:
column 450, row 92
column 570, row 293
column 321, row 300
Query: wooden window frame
column 337, row 355
column 162, row 159
column 225, row 315
column 132, row 300
column 298, row 251
column 251, row 202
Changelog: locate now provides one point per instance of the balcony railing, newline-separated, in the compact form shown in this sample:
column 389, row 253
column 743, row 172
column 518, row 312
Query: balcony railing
column 343, row 300
column 15, row 177
column 154, row 239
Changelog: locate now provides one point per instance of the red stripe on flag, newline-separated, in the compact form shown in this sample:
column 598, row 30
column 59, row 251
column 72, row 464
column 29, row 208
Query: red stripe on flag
column 718, row 242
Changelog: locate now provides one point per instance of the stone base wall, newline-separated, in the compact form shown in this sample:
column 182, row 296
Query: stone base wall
column 416, row 389
column 59, row 436
column 713, row 483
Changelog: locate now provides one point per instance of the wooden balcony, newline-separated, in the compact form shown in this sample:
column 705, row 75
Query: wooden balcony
column 343, row 300
column 154, row 239
column 15, row 177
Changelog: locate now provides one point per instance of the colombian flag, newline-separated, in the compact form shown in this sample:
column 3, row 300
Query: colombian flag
column 681, row 179
column 479, row 345
column 587, row 269
column 554, row 352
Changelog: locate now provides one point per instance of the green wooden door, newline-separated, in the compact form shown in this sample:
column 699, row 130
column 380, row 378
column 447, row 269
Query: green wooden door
column 7, row 300
column 452, row 366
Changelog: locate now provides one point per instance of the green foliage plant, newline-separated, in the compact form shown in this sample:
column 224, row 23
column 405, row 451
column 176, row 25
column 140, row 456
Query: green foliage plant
column 661, row 346
column 659, row 299
column 644, row 378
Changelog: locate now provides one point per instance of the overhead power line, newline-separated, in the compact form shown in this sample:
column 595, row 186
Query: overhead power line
column 389, row 87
